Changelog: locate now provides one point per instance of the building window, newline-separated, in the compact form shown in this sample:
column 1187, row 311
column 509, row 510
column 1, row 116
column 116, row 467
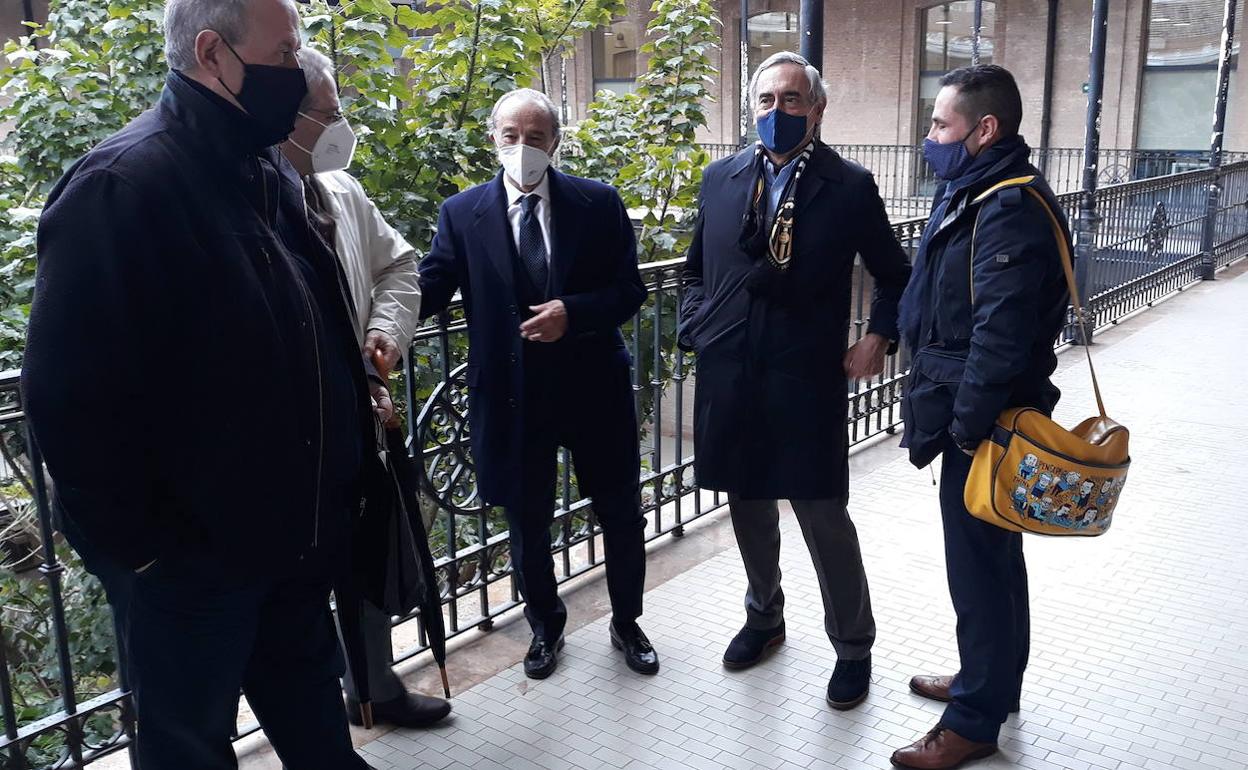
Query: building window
column 1181, row 74
column 615, row 57
column 948, row 33
column 772, row 33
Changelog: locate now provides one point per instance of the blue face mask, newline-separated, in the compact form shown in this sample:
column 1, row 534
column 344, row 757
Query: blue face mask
column 949, row 161
column 781, row 132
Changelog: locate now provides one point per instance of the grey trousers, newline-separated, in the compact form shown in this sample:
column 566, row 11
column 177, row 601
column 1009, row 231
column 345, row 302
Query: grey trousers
column 383, row 683
column 833, row 544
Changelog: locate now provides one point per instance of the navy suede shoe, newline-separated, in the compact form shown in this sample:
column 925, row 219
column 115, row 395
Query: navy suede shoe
column 849, row 683
column 751, row 645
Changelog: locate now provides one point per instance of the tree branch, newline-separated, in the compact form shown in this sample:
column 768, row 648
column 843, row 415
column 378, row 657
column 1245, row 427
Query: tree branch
column 472, row 70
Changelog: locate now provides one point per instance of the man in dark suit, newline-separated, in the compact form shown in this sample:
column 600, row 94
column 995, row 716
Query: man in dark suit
column 768, row 283
column 547, row 265
column 982, row 313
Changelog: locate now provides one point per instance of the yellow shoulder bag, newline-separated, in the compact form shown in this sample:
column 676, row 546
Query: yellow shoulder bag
column 1033, row 475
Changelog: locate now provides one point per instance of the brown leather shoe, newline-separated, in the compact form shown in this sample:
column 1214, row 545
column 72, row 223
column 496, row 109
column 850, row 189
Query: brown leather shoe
column 941, row 749
column 936, row 687
column 933, row 687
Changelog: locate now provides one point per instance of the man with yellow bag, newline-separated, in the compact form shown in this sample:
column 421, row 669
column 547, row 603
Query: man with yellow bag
column 985, row 303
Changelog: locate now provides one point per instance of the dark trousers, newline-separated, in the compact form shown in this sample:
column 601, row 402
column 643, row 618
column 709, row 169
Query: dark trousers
column 383, row 684
column 832, row 541
column 988, row 585
column 595, row 421
column 193, row 638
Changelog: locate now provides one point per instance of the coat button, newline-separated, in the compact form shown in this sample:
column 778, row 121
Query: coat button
column 512, row 309
column 514, row 358
column 511, row 402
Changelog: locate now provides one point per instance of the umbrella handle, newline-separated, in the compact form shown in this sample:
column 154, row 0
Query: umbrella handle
column 446, row 685
column 366, row 714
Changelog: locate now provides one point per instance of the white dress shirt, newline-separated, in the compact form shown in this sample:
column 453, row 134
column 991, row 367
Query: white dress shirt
column 515, row 210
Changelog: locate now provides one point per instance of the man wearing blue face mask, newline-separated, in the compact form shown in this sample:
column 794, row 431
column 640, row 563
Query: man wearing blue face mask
column 981, row 314
column 767, row 288
column 180, row 248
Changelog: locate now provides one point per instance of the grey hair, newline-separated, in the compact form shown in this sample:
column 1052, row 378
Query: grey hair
column 528, row 95
column 318, row 70
column 185, row 19
column 818, row 91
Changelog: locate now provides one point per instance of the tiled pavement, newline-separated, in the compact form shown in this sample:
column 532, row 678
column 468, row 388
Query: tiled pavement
column 1140, row 638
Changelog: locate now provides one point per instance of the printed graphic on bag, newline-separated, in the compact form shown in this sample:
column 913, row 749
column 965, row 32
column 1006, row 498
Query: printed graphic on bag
column 1061, row 497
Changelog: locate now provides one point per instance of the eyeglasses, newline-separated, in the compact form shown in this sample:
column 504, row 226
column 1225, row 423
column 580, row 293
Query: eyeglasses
column 333, row 116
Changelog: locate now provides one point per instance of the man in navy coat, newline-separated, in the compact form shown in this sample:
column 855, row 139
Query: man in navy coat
column 547, row 266
column 767, row 288
column 981, row 314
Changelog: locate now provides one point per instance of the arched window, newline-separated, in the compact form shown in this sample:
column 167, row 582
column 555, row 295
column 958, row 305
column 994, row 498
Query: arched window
column 947, row 37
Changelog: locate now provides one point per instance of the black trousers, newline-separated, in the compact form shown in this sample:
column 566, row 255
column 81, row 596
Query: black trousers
column 595, row 420
column 988, row 585
column 191, row 638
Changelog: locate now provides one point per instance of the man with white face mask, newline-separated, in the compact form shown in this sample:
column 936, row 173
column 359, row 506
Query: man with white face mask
column 547, row 265
column 380, row 267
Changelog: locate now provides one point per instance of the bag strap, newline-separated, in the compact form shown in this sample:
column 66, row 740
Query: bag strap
column 1063, row 248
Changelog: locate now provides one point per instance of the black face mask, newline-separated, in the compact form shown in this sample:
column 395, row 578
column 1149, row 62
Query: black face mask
column 271, row 96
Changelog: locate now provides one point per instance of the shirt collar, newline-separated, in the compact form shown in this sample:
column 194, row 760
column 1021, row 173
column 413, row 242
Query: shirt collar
column 514, row 194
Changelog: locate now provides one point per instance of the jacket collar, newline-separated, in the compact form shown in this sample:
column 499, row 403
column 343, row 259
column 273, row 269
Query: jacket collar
column 566, row 219
column 218, row 127
column 825, row 165
column 997, row 162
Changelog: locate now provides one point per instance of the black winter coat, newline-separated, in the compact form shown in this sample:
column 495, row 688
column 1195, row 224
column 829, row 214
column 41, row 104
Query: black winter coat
column 192, row 374
column 771, row 395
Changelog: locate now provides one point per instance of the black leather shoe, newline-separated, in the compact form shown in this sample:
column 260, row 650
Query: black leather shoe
column 542, row 658
column 408, row 710
column 751, row 645
column 638, row 653
column 851, row 679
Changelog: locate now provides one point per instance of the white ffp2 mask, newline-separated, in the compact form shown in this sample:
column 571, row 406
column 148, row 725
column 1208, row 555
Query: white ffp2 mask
column 334, row 148
column 524, row 164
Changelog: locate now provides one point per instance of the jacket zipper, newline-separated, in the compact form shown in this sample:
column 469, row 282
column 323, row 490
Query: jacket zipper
column 320, row 402
column 316, row 346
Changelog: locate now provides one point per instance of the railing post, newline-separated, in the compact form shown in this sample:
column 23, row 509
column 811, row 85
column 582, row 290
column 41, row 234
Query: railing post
column 810, row 22
column 977, row 28
column 1208, row 262
column 1046, row 104
column 745, row 74
column 1089, row 219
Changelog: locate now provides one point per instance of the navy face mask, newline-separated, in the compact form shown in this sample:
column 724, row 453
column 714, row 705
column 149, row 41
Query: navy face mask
column 271, row 96
column 949, row 161
column 781, row 132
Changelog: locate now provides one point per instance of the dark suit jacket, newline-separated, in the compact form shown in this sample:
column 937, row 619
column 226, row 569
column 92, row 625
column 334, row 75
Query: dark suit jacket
column 771, row 395
column 593, row 270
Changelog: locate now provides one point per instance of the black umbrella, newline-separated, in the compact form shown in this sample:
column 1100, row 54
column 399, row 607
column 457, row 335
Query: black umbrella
column 392, row 566
column 415, row 584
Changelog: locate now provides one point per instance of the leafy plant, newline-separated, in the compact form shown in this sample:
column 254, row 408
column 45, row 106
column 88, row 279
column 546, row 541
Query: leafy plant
column 664, row 163
column 70, row 83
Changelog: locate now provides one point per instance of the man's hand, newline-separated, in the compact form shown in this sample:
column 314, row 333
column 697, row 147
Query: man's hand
column 381, row 400
column 383, row 350
column 866, row 357
column 549, row 325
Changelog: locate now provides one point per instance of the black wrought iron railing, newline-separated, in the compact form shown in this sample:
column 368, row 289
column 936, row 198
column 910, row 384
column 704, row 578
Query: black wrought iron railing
column 63, row 704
